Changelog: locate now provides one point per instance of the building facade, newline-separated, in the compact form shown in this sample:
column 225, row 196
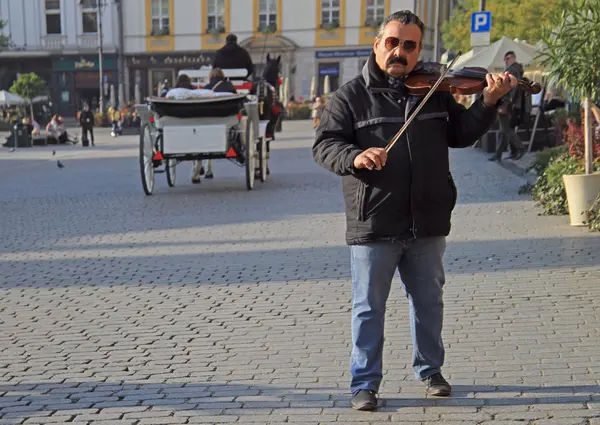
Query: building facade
column 314, row 37
column 146, row 42
column 58, row 40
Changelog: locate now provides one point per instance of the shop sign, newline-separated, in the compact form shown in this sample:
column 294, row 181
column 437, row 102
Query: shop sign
column 197, row 60
column 332, row 54
column 83, row 64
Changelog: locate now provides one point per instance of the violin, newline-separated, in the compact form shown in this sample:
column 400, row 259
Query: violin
column 466, row 81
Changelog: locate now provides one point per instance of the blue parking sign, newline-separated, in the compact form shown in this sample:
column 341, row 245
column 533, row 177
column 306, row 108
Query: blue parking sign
column 481, row 22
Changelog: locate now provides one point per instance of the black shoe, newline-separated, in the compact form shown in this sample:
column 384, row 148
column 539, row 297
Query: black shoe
column 436, row 385
column 494, row 158
column 364, row 400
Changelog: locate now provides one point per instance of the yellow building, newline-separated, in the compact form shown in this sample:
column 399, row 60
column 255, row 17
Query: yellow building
column 314, row 37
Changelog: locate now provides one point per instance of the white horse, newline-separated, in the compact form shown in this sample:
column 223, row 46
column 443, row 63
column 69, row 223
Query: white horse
column 198, row 170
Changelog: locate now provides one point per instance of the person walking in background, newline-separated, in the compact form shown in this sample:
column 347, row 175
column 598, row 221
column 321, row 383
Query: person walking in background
column 398, row 204
column 86, row 121
column 509, row 112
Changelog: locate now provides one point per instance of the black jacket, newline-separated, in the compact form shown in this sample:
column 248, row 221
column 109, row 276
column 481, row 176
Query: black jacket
column 232, row 56
column 414, row 194
column 224, row 86
column 514, row 96
column 86, row 119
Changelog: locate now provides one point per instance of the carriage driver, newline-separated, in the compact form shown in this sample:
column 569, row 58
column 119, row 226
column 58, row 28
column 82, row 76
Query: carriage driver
column 233, row 56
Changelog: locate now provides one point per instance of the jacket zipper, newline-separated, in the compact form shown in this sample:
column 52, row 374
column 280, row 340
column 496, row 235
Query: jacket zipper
column 412, row 215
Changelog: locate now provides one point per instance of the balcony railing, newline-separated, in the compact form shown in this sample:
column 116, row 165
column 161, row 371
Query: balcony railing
column 54, row 42
column 88, row 42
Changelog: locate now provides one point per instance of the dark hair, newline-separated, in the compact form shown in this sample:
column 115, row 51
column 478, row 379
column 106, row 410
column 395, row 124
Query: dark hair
column 184, row 82
column 405, row 17
column 231, row 38
column 510, row 53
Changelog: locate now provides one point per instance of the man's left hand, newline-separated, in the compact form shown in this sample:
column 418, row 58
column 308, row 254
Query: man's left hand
column 497, row 86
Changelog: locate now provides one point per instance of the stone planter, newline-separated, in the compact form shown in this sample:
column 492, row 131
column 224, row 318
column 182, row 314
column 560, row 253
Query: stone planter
column 582, row 190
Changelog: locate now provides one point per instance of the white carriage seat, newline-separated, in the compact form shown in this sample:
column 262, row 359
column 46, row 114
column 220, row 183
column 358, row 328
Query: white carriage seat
column 182, row 93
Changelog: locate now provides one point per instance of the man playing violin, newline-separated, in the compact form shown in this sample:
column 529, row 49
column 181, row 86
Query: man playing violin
column 398, row 205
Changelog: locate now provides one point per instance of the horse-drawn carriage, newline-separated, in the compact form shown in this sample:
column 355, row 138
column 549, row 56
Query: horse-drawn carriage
column 237, row 126
column 176, row 130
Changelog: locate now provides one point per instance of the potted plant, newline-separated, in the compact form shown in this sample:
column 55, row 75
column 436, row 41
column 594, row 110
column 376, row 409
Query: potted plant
column 330, row 26
column 572, row 58
column 267, row 29
column 216, row 31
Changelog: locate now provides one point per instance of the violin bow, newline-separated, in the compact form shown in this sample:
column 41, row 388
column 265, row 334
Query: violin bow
column 416, row 111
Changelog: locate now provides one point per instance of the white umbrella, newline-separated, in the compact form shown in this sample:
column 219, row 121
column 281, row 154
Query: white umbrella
column 326, row 85
column 121, row 96
column 492, row 57
column 113, row 97
column 7, row 98
column 313, row 88
column 286, row 89
column 138, row 94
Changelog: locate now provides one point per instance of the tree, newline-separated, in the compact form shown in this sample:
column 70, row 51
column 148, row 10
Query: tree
column 29, row 86
column 521, row 19
column 571, row 56
column 4, row 40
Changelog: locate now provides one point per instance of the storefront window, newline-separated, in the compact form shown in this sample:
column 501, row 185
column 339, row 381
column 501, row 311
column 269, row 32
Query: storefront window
column 331, row 70
column 158, row 78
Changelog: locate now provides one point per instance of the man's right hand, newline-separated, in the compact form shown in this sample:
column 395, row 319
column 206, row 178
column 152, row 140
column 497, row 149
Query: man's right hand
column 372, row 159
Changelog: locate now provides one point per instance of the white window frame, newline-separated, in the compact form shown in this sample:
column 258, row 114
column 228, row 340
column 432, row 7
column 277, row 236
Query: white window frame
column 327, row 7
column 52, row 12
column 89, row 7
column 219, row 17
column 162, row 15
column 377, row 9
column 269, row 10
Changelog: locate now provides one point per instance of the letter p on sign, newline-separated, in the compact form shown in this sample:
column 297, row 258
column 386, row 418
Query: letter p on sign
column 481, row 22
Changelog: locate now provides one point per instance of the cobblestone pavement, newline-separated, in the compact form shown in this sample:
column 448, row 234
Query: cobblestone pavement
column 212, row 304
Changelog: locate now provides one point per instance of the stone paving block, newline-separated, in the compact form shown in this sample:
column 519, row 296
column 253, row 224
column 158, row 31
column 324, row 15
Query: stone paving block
column 211, row 304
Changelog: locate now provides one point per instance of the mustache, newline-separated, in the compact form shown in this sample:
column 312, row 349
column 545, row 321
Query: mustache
column 400, row 59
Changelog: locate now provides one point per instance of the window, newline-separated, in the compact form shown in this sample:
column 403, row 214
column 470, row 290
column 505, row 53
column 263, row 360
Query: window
column 160, row 17
column 53, row 21
column 215, row 16
column 267, row 15
column 375, row 12
column 330, row 13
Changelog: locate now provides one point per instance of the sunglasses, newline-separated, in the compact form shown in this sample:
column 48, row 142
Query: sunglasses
column 407, row 45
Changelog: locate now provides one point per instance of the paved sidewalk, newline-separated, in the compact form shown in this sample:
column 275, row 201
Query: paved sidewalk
column 216, row 305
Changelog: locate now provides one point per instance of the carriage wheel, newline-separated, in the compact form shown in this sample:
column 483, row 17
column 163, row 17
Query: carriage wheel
column 250, row 148
column 171, row 171
column 146, row 164
column 262, row 159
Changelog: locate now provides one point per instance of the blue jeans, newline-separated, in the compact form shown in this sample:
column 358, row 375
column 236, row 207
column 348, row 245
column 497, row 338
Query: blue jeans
column 419, row 262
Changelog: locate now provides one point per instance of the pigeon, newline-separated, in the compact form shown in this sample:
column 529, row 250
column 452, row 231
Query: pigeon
column 53, row 153
column 60, row 164
column 12, row 150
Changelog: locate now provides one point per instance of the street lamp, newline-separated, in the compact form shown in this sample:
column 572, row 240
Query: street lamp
column 99, row 5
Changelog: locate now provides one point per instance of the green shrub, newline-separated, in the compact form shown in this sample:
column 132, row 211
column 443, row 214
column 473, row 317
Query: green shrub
column 592, row 216
column 549, row 190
